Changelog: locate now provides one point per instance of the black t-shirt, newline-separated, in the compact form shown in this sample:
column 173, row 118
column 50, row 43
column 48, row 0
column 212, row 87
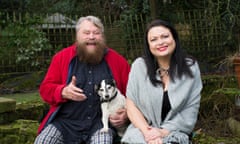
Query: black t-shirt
column 76, row 120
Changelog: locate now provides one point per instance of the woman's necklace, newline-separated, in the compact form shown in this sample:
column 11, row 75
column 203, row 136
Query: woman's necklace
column 163, row 72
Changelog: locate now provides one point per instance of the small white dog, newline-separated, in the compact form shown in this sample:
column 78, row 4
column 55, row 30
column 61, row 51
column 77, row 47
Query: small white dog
column 111, row 100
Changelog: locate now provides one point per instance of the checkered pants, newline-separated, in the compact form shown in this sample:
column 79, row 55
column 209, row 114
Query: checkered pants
column 51, row 135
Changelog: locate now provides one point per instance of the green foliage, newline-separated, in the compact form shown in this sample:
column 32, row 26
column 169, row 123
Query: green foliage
column 218, row 96
column 226, row 12
column 25, row 45
column 18, row 132
column 66, row 6
column 23, row 130
column 4, row 77
column 137, row 7
column 217, row 104
column 204, row 138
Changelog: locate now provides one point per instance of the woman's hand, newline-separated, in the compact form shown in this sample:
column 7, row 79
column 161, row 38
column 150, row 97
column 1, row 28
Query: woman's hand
column 164, row 132
column 156, row 141
column 155, row 134
column 151, row 133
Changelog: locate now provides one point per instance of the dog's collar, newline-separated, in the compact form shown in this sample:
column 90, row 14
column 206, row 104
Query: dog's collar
column 109, row 100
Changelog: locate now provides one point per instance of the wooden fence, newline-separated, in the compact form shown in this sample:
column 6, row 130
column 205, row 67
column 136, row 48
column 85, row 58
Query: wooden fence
column 201, row 36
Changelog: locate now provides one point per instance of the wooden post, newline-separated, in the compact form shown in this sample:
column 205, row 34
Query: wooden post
column 153, row 8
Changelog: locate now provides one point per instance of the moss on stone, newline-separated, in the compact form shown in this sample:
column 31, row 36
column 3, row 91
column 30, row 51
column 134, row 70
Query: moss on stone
column 23, row 83
column 7, row 117
column 32, row 110
column 7, row 105
column 9, row 139
column 19, row 132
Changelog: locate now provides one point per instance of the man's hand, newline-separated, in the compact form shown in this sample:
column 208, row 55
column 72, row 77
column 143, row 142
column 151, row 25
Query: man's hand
column 119, row 119
column 72, row 92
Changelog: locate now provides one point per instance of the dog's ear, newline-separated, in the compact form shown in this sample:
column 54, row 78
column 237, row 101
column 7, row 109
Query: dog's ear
column 111, row 82
column 114, row 82
column 96, row 87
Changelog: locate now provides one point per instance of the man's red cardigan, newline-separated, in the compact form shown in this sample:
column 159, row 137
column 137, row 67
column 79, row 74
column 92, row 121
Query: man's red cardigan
column 57, row 78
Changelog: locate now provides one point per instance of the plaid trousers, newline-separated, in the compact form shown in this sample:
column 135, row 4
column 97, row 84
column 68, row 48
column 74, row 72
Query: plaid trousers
column 51, row 135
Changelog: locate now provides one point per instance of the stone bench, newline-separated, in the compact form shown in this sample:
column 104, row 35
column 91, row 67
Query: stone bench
column 18, row 132
column 7, row 110
column 19, row 121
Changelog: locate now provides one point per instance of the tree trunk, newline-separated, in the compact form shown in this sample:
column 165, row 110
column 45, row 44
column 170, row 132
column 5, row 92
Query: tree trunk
column 153, row 8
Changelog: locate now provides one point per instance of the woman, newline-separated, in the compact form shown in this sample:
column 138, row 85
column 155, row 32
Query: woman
column 163, row 90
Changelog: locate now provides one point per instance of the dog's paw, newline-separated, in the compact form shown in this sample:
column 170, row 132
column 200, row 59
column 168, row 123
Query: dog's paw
column 104, row 130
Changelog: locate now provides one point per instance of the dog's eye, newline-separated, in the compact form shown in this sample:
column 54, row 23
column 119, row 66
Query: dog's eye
column 108, row 87
column 100, row 90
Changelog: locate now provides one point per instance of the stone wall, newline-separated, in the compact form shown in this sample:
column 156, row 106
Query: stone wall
column 19, row 122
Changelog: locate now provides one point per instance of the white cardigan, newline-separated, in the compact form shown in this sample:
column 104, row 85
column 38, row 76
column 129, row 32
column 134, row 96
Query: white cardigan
column 184, row 97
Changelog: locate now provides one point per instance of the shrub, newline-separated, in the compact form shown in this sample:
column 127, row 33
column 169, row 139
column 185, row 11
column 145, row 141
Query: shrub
column 24, row 45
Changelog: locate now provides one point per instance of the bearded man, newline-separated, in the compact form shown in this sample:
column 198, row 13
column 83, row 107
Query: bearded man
column 68, row 87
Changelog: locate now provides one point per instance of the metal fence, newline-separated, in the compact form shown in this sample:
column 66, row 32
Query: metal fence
column 201, row 36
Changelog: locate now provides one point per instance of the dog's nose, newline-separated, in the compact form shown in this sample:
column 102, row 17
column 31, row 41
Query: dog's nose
column 107, row 96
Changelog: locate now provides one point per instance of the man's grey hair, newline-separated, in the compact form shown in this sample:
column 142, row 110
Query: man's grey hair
column 95, row 20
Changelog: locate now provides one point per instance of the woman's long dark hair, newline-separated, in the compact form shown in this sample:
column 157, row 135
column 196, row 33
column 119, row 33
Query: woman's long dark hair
column 180, row 62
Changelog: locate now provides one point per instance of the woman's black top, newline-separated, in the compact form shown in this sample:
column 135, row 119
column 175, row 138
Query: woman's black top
column 166, row 106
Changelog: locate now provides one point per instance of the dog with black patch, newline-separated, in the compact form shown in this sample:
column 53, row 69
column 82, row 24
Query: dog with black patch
column 111, row 100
